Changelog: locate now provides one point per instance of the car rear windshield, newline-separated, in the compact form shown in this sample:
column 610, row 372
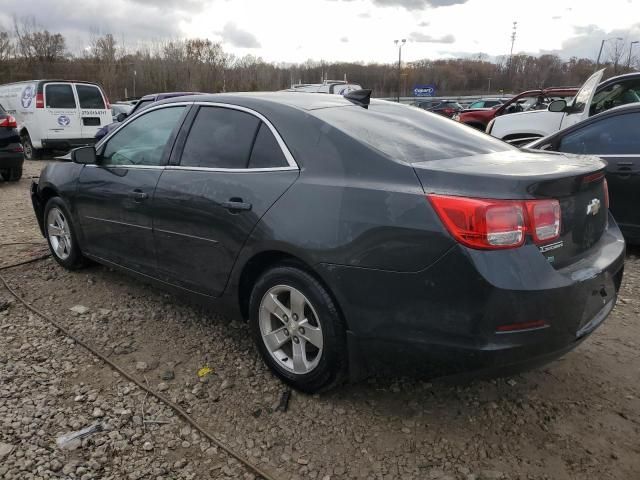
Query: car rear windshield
column 409, row 134
column 90, row 97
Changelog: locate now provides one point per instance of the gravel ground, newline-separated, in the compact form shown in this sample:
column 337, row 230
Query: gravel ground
column 577, row 418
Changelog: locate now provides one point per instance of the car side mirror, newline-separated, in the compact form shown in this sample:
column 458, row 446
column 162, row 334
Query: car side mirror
column 558, row 106
column 122, row 116
column 84, row 155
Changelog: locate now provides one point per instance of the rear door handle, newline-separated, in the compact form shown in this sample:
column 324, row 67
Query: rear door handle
column 138, row 195
column 235, row 204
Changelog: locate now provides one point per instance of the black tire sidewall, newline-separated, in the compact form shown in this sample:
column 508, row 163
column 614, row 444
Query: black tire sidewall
column 75, row 260
column 332, row 366
column 35, row 153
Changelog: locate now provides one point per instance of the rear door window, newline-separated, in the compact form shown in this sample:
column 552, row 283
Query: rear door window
column 266, row 152
column 59, row 96
column 220, row 138
column 90, row 97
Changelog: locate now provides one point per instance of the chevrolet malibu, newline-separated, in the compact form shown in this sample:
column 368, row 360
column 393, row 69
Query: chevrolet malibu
column 349, row 232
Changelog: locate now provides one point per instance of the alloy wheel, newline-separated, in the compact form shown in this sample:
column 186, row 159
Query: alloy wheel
column 291, row 329
column 59, row 233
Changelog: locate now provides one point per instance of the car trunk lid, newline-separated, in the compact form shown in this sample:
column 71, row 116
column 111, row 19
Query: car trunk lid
column 577, row 182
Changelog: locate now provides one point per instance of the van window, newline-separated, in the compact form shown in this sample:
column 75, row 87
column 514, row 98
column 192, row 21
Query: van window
column 59, row 96
column 90, row 97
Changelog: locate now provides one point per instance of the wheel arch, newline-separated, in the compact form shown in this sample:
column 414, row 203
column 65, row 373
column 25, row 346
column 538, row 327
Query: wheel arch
column 260, row 262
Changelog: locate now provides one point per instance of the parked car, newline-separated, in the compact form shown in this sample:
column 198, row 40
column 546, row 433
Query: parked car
column 530, row 100
column 486, row 103
column 592, row 99
column 11, row 157
column 139, row 105
column 614, row 136
column 446, row 108
column 118, row 108
column 55, row 114
column 347, row 236
column 335, row 87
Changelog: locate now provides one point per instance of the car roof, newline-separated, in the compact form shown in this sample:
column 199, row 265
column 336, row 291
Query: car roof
column 298, row 100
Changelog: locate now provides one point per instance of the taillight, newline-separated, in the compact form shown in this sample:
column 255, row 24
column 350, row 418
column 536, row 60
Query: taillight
column 544, row 219
column 18, row 149
column 484, row 224
column 605, row 186
column 39, row 100
column 8, row 122
column 108, row 102
column 497, row 224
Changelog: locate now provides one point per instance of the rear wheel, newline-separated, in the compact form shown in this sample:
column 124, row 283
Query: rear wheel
column 30, row 152
column 61, row 235
column 298, row 330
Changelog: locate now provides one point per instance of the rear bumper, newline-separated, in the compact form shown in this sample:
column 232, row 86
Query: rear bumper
column 448, row 318
column 67, row 143
column 10, row 159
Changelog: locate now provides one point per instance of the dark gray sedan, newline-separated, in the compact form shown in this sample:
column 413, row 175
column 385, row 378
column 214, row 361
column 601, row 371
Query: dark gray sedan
column 351, row 234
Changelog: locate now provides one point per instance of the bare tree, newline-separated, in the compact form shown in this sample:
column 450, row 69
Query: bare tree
column 37, row 45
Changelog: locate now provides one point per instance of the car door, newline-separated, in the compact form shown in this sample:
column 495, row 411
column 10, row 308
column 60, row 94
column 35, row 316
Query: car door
column 61, row 117
column 229, row 170
column 114, row 197
column 93, row 109
column 616, row 139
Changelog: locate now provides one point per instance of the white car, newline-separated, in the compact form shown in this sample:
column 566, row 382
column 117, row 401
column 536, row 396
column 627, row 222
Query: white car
column 55, row 114
column 522, row 128
column 336, row 87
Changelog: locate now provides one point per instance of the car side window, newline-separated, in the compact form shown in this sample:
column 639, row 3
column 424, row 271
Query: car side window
column 618, row 135
column 143, row 140
column 220, row 138
column 266, row 152
column 59, row 96
column 615, row 95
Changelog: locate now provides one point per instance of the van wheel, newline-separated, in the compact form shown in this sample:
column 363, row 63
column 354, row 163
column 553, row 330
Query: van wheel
column 11, row 174
column 30, row 153
column 298, row 329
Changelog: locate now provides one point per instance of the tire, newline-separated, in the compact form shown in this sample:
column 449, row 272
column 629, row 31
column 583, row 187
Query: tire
column 12, row 174
column 30, row 152
column 320, row 334
column 64, row 247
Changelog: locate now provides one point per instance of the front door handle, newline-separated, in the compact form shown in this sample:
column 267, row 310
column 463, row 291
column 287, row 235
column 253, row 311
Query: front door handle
column 138, row 195
column 235, row 204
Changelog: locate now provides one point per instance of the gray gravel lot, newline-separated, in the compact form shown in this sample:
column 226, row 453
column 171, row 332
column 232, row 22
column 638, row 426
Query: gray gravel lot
column 577, row 418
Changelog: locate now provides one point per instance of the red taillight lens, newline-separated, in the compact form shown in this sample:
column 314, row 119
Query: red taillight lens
column 483, row 224
column 544, row 219
column 8, row 122
column 605, row 186
column 39, row 100
column 496, row 224
column 18, row 149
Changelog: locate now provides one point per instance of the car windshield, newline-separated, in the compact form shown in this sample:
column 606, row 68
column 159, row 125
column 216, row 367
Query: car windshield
column 410, row 135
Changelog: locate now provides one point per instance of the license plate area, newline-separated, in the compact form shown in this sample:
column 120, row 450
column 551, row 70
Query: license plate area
column 91, row 121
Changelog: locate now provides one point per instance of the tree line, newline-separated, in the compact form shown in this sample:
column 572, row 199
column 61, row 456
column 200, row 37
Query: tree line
column 29, row 51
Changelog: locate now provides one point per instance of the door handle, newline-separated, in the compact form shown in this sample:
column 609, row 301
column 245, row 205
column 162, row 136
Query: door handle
column 235, row 204
column 138, row 195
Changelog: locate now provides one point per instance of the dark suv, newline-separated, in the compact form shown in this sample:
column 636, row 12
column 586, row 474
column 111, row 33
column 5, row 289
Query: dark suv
column 11, row 156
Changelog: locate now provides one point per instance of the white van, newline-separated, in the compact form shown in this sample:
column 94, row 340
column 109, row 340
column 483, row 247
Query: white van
column 55, row 114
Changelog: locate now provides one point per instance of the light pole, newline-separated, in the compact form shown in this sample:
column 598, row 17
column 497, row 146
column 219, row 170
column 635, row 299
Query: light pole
column 602, row 46
column 631, row 48
column 399, row 44
column 134, row 83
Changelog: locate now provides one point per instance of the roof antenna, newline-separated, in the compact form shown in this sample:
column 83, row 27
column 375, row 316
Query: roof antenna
column 359, row 97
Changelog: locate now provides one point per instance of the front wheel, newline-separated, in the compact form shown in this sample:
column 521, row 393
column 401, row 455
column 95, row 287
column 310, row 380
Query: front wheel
column 298, row 329
column 30, row 152
column 61, row 235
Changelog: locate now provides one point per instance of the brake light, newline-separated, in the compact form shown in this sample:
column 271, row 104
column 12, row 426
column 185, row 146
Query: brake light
column 39, row 100
column 8, row 122
column 605, row 186
column 18, row 149
column 107, row 101
column 544, row 219
column 497, row 224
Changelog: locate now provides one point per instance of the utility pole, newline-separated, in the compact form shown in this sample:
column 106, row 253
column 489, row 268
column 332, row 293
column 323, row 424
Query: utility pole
column 631, row 48
column 513, row 40
column 399, row 44
column 489, row 87
column 134, row 83
column 602, row 46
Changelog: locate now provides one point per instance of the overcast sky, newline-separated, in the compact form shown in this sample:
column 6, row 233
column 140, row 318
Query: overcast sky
column 349, row 30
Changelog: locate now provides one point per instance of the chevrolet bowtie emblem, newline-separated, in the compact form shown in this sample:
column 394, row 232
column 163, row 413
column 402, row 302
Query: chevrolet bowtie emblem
column 594, row 207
